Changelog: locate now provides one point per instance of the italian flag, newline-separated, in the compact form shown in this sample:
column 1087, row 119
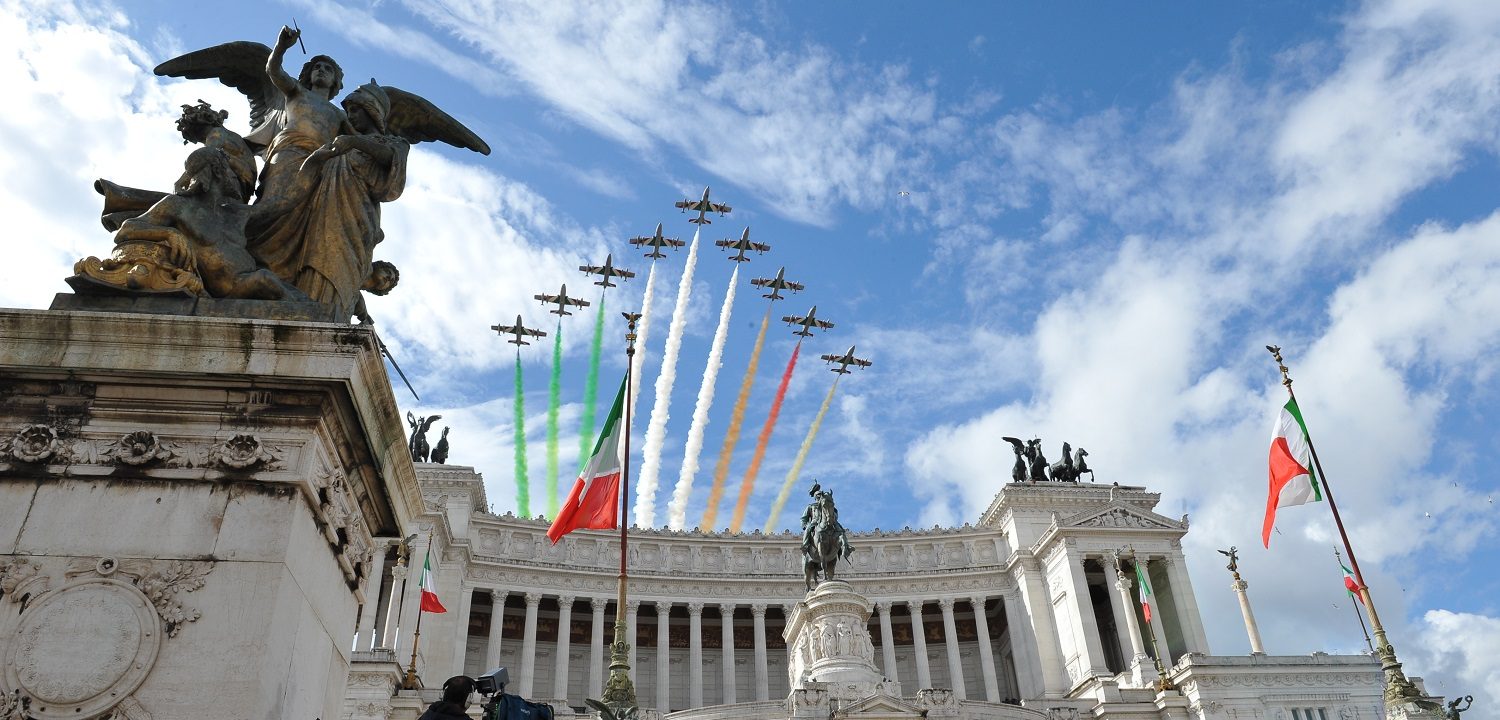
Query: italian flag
column 429, row 589
column 1350, row 584
column 594, row 501
column 1292, row 478
column 1144, row 590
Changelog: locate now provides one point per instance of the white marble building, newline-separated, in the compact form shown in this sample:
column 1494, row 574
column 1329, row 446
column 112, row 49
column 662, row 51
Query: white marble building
column 1019, row 615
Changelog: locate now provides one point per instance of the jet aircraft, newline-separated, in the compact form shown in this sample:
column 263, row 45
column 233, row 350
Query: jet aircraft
column 845, row 360
column 656, row 243
column 703, row 207
column 562, row 301
column 808, row 322
column 607, row 271
column 742, row 245
column 777, row 284
column 520, row 331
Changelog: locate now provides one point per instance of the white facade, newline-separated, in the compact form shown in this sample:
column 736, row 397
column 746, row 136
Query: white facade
column 1025, row 609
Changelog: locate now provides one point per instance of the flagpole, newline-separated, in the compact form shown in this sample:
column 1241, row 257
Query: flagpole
column 1361, row 618
column 1397, row 687
column 619, row 691
column 410, row 682
column 1163, row 683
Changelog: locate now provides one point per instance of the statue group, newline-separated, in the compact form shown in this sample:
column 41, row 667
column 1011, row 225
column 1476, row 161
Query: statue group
column 824, row 540
column 417, row 444
column 304, row 225
column 1032, row 466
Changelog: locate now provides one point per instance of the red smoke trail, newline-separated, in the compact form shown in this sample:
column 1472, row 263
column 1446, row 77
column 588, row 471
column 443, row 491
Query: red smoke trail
column 762, row 442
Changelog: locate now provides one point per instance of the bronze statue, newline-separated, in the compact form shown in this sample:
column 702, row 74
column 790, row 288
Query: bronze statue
column 327, row 167
column 382, row 279
column 1036, row 459
column 440, row 453
column 1063, row 470
column 1454, row 710
column 823, row 538
column 1017, row 471
column 1233, row 554
column 418, row 442
column 1081, row 466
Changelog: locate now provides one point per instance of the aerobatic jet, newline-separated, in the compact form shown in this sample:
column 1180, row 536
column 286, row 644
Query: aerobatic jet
column 656, row 243
column 845, row 360
column 776, row 285
column 520, row 331
column 607, row 271
column 742, row 245
column 562, row 301
column 808, row 322
column 703, row 207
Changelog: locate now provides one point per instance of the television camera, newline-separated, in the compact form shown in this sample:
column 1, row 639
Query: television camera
column 500, row 706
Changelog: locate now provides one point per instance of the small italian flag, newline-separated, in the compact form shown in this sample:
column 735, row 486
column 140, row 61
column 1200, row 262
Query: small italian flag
column 1292, row 478
column 1350, row 584
column 1144, row 590
column 429, row 589
column 594, row 501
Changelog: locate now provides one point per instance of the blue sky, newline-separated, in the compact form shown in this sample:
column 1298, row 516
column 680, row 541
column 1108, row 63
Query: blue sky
column 1109, row 211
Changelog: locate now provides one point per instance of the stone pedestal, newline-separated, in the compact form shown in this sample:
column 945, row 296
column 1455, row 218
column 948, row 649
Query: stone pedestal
column 189, row 505
column 829, row 648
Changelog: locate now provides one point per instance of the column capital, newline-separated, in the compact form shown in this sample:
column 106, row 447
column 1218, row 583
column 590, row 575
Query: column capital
column 631, row 606
column 566, row 601
column 883, row 607
column 398, row 571
column 1239, row 585
column 758, row 610
column 533, row 599
column 695, row 608
column 597, row 604
column 915, row 606
column 946, row 604
column 728, row 607
column 977, row 602
column 498, row 596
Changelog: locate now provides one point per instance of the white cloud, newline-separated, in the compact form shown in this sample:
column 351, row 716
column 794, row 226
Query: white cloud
column 1462, row 646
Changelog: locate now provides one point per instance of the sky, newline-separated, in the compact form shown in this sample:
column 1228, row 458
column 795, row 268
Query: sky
column 1075, row 221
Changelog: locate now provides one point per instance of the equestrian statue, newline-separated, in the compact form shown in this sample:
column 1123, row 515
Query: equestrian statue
column 823, row 538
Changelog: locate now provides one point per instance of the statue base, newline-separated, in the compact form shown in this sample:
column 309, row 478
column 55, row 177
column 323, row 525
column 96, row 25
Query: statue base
column 189, row 504
column 829, row 648
column 100, row 299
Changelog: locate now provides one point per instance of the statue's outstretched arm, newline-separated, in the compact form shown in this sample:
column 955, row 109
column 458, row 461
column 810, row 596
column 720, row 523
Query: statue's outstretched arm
column 284, row 82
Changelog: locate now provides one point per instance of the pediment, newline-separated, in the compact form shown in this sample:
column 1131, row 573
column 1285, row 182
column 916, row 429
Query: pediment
column 1118, row 516
column 883, row 706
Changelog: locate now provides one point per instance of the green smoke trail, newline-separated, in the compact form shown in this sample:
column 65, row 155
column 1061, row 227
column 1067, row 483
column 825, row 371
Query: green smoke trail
column 591, row 389
column 523, row 486
column 791, row 477
column 554, row 402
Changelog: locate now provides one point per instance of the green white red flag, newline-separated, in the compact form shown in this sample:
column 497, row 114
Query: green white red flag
column 1293, row 480
column 1350, row 584
column 429, row 589
column 1143, row 588
column 594, row 501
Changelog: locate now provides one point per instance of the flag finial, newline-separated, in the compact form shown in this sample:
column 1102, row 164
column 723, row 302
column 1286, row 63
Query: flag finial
column 1286, row 379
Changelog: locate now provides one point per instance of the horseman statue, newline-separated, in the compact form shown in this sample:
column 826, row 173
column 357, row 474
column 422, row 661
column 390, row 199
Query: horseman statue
column 823, row 538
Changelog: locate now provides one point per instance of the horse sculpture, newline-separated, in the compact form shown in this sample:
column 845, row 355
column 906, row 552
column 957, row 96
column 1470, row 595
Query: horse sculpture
column 1064, row 470
column 819, row 565
column 418, row 443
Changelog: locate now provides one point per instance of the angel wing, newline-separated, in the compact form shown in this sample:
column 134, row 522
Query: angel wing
column 427, row 424
column 240, row 65
column 1020, row 446
column 417, row 120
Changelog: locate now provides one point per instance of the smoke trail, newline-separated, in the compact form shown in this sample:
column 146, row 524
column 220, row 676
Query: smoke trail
column 656, row 431
column 640, row 342
column 677, row 509
column 554, row 401
column 523, row 486
column 732, row 435
column 591, row 389
column 760, row 444
column 791, row 477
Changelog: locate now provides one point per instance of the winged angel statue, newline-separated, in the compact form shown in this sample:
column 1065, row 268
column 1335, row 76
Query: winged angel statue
column 315, row 217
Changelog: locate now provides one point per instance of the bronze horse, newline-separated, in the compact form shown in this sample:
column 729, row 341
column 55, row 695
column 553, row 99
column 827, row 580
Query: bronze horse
column 824, row 557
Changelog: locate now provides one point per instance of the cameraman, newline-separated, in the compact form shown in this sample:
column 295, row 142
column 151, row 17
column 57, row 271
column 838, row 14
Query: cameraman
column 455, row 702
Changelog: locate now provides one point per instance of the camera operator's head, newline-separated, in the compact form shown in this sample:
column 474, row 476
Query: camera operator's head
column 458, row 689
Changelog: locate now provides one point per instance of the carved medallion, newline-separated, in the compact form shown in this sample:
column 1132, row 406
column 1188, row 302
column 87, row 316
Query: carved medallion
column 33, row 443
column 82, row 648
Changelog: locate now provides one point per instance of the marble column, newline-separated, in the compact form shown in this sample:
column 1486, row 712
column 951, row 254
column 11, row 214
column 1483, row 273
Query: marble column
column 919, row 645
column 950, row 640
column 1239, row 586
column 393, row 607
column 762, row 671
column 596, row 647
column 695, row 653
column 461, row 631
column 564, row 640
column 726, row 639
column 1085, row 625
column 1158, row 630
column 528, row 645
column 887, row 642
column 986, row 650
column 1137, row 644
column 497, row 628
column 1186, row 603
column 371, row 610
column 1120, row 610
column 663, row 657
column 632, row 609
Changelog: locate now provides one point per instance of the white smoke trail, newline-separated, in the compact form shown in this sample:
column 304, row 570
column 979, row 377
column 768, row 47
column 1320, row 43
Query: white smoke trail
column 640, row 343
column 677, row 509
column 656, row 430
